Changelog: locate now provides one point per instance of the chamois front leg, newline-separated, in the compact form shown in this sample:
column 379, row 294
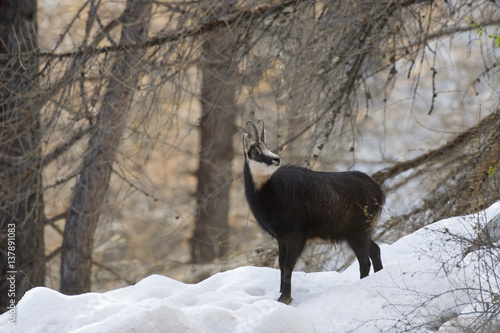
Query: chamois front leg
column 293, row 245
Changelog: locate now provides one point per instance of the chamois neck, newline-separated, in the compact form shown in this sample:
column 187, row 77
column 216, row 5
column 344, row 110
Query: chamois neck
column 258, row 173
column 259, row 181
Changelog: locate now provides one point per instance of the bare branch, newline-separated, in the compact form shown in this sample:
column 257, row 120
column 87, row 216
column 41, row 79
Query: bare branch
column 454, row 144
column 113, row 272
column 56, row 218
column 61, row 149
column 260, row 11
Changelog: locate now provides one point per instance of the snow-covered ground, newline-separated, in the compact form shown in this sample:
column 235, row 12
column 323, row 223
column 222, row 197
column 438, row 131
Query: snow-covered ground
column 427, row 284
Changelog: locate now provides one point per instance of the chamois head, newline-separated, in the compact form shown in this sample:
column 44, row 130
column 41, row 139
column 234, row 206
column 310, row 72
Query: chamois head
column 261, row 161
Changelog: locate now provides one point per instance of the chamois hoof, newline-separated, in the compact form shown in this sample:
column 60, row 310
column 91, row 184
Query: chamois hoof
column 286, row 299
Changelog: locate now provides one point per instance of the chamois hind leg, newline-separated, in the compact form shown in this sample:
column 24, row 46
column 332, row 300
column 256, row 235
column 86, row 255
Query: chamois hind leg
column 375, row 256
column 292, row 247
column 360, row 246
column 282, row 248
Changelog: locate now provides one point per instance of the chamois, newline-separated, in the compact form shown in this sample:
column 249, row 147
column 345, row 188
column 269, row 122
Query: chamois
column 295, row 204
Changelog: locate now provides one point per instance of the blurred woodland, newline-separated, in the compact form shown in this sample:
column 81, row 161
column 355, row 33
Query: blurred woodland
column 121, row 125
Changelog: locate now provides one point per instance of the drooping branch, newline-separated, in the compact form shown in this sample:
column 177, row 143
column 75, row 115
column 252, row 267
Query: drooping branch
column 464, row 137
column 260, row 11
column 246, row 14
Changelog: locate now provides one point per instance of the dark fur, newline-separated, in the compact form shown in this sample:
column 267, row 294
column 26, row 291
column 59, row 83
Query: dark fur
column 297, row 204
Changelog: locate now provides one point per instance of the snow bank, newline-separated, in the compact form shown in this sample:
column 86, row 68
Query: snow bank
column 426, row 282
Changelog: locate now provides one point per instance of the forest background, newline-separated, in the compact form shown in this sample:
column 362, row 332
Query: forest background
column 121, row 125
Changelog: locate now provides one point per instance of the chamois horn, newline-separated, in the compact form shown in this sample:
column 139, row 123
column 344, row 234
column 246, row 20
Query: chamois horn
column 262, row 131
column 256, row 132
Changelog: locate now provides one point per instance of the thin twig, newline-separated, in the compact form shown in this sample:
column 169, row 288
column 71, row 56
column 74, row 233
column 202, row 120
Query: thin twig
column 113, row 272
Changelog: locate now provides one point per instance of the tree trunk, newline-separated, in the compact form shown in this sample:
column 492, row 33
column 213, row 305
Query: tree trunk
column 21, row 200
column 89, row 192
column 211, row 234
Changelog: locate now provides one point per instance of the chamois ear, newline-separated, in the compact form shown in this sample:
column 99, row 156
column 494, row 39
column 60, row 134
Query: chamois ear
column 262, row 131
column 246, row 147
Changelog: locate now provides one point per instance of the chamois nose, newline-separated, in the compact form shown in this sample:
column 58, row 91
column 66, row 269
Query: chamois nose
column 276, row 161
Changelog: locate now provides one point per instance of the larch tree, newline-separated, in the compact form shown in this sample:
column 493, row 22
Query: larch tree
column 89, row 193
column 210, row 239
column 22, row 253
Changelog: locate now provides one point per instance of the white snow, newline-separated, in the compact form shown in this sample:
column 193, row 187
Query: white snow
column 427, row 284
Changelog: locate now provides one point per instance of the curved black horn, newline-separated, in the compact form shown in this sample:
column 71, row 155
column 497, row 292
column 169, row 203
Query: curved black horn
column 256, row 133
column 262, row 131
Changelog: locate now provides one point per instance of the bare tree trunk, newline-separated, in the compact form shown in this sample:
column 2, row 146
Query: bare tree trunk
column 21, row 199
column 89, row 192
column 211, row 234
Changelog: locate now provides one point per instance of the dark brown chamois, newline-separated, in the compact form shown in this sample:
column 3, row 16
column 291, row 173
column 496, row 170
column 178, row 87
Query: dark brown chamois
column 295, row 204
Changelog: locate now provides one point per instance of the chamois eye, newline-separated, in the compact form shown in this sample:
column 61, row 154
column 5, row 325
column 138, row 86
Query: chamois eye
column 254, row 154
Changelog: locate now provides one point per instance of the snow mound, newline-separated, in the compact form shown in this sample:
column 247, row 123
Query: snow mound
column 431, row 280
